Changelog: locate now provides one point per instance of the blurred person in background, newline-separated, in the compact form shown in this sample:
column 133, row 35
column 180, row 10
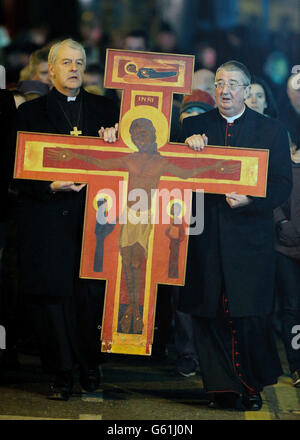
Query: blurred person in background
column 38, row 66
column 93, row 79
column 196, row 103
column 275, row 70
column 261, row 98
column 136, row 40
column 33, row 89
column 93, row 38
column 232, row 43
column 17, row 57
column 165, row 40
column 289, row 113
column 204, row 79
column 287, row 223
column 287, row 305
column 205, row 56
column 24, row 73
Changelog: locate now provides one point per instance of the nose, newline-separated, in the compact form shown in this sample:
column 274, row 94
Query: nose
column 253, row 99
column 73, row 65
column 225, row 88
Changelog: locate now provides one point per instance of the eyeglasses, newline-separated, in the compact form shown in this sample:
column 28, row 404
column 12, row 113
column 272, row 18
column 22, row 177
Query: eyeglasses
column 230, row 84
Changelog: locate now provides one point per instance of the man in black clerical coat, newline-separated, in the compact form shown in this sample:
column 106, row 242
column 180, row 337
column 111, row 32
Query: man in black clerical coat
column 67, row 311
column 229, row 281
column 7, row 297
column 7, row 121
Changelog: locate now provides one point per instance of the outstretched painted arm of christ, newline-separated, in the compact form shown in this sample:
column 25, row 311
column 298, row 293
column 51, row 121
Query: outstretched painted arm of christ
column 220, row 166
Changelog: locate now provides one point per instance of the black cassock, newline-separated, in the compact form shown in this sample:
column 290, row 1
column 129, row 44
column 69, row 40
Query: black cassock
column 229, row 284
column 67, row 310
column 7, row 119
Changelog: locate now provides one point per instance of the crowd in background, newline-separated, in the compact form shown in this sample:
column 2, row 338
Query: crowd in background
column 270, row 55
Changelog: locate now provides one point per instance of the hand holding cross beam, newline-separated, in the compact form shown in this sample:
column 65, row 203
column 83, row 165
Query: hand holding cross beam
column 197, row 142
column 59, row 185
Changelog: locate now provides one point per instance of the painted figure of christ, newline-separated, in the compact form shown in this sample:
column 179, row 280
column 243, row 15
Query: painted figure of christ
column 145, row 168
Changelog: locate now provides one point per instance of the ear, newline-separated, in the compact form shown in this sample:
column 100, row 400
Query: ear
column 51, row 70
column 247, row 92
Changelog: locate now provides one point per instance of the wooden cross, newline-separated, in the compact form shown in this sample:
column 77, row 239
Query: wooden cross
column 75, row 132
column 134, row 259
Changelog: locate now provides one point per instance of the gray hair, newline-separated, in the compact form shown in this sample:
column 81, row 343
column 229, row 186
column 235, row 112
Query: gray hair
column 233, row 65
column 52, row 57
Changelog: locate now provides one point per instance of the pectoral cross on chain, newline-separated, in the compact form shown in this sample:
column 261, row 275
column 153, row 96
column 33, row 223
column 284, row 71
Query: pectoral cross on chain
column 75, row 132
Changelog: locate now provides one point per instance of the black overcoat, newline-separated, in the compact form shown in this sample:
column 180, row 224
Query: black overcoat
column 235, row 252
column 50, row 225
column 7, row 125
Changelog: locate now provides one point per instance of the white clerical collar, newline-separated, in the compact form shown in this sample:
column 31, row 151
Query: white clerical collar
column 71, row 98
column 231, row 119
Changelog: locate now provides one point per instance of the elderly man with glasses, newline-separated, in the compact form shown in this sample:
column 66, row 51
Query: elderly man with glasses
column 230, row 273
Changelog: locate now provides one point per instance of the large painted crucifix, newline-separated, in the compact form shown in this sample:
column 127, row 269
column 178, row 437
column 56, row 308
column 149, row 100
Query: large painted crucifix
column 139, row 191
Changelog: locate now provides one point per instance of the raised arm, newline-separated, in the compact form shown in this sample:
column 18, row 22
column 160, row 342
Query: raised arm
column 63, row 154
column 220, row 166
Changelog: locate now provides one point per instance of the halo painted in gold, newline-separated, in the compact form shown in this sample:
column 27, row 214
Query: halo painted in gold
column 181, row 203
column 157, row 118
column 102, row 195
